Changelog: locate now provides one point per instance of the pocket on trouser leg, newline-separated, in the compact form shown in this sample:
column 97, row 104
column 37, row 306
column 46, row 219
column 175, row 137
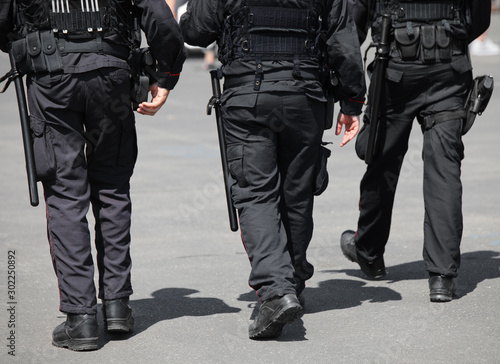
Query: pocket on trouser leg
column 321, row 182
column 235, row 164
column 239, row 184
column 128, row 149
column 43, row 149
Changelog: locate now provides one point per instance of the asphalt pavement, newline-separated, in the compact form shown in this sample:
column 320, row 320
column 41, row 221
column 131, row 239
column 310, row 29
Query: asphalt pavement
column 192, row 303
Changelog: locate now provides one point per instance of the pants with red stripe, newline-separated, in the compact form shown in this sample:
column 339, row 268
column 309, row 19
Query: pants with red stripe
column 85, row 151
column 273, row 146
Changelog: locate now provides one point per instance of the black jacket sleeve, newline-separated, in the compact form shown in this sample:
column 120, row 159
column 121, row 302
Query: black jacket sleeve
column 480, row 14
column 362, row 11
column 164, row 39
column 344, row 56
column 201, row 24
column 6, row 24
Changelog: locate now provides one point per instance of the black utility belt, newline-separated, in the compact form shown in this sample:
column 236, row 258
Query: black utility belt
column 42, row 51
column 284, row 75
column 427, row 43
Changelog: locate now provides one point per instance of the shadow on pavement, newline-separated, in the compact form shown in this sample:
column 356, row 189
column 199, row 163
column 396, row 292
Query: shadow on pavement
column 334, row 294
column 337, row 294
column 167, row 304
column 475, row 268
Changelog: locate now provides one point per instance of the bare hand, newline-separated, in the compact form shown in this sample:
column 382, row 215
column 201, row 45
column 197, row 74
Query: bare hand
column 159, row 95
column 351, row 123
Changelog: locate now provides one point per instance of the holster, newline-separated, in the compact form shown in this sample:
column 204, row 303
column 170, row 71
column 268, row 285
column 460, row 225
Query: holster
column 478, row 99
column 476, row 103
column 332, row 88
column 143, row 70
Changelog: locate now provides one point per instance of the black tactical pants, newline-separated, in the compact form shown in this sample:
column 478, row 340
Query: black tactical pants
column 273, row 148
column 415, row 91
column 87, row 126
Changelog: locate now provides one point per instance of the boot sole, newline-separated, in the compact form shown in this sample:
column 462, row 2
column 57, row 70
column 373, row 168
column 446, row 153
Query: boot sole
column 275, row 326
column 78, row 344
column 441, row 296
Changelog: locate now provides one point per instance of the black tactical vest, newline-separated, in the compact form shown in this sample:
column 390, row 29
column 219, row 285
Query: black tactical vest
column 413, row 13
column 50, row 29
column 75, row 19
column 422, row 29
column 264, row 30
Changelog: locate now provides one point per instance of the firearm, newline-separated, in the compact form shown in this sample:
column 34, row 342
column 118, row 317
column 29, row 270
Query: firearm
column 214, row 102
column 14, row 75
column 377, row 80
column 478, row 99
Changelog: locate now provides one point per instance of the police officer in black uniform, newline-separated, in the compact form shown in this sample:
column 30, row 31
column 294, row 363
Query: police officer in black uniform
column 274, row 109
column 428, row 77
column 75, row 55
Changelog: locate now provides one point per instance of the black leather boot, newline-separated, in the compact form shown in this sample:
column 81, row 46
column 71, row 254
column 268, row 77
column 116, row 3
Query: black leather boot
column 372, row 269
column 117, row 315
column 79, row 332
column 273, row 315
column 442, row 288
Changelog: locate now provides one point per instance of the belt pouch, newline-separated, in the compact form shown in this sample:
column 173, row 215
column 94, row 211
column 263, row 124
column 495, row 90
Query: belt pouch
column 443, row 41
column 20, row 52
column 428, row 43
column 43, row 150
column 34, row 51
column 51, row 51
column 407, row 43
column 321, row 181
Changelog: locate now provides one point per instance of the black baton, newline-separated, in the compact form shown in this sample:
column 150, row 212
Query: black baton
column 377, row 81
column 215, row 103
column 29, row 156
